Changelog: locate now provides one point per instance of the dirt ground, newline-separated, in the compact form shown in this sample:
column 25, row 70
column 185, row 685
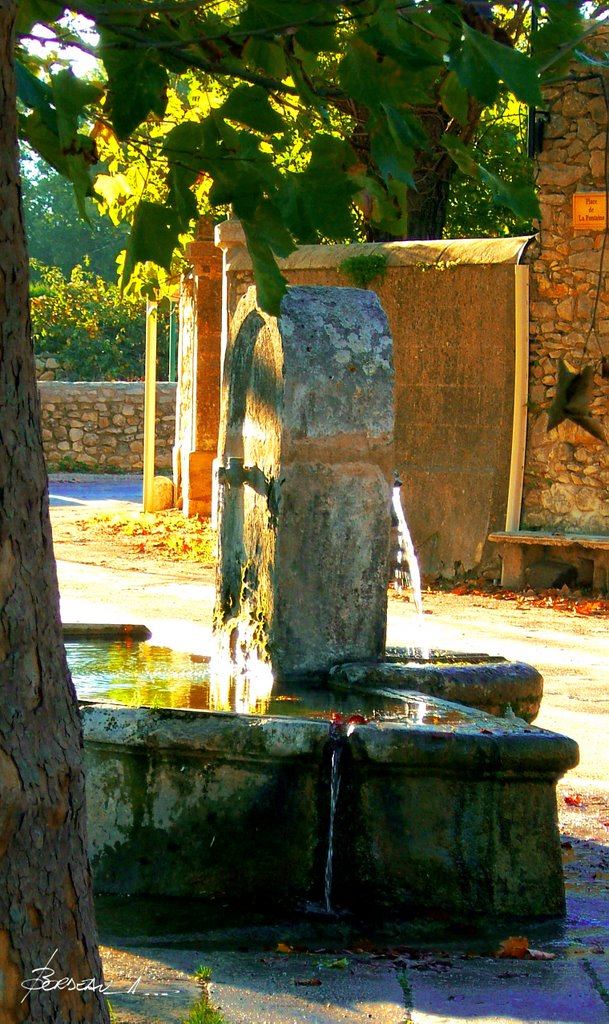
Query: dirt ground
column 565, row 636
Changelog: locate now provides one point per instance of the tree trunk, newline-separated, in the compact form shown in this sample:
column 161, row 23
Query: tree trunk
column 427, row 207
column 46, row 906
column 433, row 171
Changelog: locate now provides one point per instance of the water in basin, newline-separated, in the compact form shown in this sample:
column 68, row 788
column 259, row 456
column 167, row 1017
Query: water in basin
column 137, row 673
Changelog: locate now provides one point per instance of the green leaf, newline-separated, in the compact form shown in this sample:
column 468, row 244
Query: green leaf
column 72, row 165
column 454, row 98
column 71, row 96
column 266, row 56
column 508, row 64
column 562, row 29
column 269, row 226
column 372, row 78
column 249, row 105
column 405, row 128
column 462, row 155
column 519, row 198
column 320, row 197
column 317, row 38
column 32, row 91
column 181, row 199
column 476, row 76
column 183, row 149
column 154, row 236
column 273, row 13
column 307, row 95
column 410, row 54
column 393, row 160
column 270, row 282
column 137, row 85
column 30, row 12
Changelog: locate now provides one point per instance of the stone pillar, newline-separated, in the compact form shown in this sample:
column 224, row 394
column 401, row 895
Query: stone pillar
column 230, row 238
column 307, row 416
column 198, row 400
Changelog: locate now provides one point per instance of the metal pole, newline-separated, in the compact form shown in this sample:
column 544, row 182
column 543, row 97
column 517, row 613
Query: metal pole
column 149, row 403
column 521, row 395
column 173, row 339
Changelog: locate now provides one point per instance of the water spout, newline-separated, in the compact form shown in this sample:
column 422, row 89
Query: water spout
column 407, row 561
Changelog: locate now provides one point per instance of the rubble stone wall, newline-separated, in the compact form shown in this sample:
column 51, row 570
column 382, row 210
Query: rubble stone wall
column 566, row 483
column 101, row 425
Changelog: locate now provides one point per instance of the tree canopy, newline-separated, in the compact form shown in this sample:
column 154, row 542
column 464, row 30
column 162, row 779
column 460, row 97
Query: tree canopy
column 310, row 119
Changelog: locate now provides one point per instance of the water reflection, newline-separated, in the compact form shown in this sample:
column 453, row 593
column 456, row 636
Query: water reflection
column 137, row 673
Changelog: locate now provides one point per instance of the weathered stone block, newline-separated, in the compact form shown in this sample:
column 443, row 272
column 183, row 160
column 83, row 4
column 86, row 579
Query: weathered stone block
column 306, row 441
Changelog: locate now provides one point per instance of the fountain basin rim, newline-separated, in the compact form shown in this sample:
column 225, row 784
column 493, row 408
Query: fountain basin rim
column 491, row 685
column 105, row 631
column 491, row 746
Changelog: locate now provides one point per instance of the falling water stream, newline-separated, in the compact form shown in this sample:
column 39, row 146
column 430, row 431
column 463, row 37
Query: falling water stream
column 336, row 742
column 406, row 558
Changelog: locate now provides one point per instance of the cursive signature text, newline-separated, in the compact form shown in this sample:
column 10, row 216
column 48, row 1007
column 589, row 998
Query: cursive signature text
column 44, row 979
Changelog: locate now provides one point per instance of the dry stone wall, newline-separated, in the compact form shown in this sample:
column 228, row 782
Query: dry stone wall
column 48, row 367
column 101, row 425
column 566, row 482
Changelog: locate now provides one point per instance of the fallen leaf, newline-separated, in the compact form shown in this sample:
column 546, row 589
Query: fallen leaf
column 339, row 965
column 282, row 947
column 514, row 948
column 307, row 981
column 573, row 800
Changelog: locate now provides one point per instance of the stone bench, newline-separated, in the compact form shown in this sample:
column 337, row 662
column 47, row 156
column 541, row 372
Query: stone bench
column 521, row 548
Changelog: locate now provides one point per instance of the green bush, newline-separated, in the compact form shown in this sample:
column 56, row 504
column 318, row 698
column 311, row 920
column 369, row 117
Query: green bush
column 93, row 331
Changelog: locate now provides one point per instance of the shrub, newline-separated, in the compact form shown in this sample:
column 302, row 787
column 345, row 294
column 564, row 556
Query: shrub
column 93, row 331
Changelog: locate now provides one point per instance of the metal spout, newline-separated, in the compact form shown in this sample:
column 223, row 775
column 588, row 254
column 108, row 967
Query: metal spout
column 235, row 474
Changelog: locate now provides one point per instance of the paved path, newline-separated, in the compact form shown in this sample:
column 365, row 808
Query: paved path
column 93, row 490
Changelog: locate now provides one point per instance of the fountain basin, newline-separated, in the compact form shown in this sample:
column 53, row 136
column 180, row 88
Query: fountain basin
column 447, row 811
column 491, row 684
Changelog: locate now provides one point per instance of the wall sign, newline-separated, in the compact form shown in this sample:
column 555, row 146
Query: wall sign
column 590, row 211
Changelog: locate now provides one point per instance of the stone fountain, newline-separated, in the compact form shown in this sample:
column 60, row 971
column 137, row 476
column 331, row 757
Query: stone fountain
column 442, row 807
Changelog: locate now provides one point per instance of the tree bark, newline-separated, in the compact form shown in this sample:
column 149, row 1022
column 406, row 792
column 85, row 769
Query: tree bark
column 46, row 906
column 433, row 171
column 427, row 207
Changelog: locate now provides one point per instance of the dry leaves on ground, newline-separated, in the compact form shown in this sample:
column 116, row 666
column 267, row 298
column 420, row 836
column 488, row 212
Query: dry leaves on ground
column 169, row 534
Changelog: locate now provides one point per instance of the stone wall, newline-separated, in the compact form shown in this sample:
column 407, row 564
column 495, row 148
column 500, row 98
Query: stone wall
column 102, row 424
column 48, row 367
column 567, row 470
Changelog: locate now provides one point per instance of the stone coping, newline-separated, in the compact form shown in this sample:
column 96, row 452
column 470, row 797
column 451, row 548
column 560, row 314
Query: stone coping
column 472, row 744
column 105, row 631
column 461, row 251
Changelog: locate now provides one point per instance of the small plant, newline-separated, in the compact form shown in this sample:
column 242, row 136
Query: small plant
column 203, row 1013
column 408, row 997
column 203, row 973
column 362, row 270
